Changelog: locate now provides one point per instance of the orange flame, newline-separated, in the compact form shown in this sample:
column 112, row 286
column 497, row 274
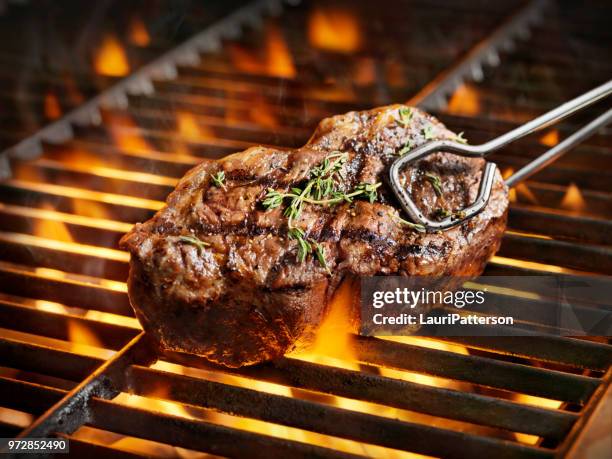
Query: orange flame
column 139, row 35
column 79, row 333
column 523, row 191
column 124, row 132
column 550, row 139
column 111, row 59
column 512, row 191
column 52, row 229
column 464, row 101
column 90, row 209
column 334, row 337
column 335, row 30
column 573, row 199
column 535, row 401
column 189, row 127
column 52, row 106
column 276, row 60
column 279, row 60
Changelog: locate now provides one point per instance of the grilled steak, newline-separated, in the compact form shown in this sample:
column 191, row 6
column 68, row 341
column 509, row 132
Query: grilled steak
column 218, row 274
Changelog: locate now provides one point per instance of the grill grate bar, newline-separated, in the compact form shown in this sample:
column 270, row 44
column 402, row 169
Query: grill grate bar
column 503, row 375
column 247, row 402
column 161, row 427
column 18, row 280
column 216, row 92
column 568, row 351
column 140, row 81
column 559, row 253
column 543, row 221
column 54, row 325
column 307, row 415
column 47, row 360
column 72, row 410
column 468, row 407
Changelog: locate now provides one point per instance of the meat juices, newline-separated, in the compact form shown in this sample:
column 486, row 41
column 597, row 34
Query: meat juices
column 214, row 272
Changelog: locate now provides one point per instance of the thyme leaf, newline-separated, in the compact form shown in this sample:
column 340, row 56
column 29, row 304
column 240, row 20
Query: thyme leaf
column 435, row 181
column 415, row 226
column 320, row 253
column 200, row 244
column 219, row 179
column 273, row 199
column 459, row 138
column 304, row 247
column 320, row 189
column 405, row 149
column 442, row 213
column 405, row 115
column 428, row 133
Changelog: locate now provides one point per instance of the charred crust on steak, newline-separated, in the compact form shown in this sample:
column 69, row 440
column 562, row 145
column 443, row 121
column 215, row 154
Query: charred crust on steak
column 242, row 296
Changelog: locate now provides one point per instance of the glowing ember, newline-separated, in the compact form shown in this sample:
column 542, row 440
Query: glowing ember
column 111, row 59
column 573, row 199
column 550, row 139
column 464, row 101
column 139, row 35
column 52, row 106
column 334, row 30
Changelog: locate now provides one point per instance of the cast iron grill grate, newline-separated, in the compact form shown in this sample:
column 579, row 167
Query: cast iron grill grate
column 68, row 331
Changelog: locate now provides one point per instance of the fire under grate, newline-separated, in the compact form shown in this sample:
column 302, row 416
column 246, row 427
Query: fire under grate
column 73, row 360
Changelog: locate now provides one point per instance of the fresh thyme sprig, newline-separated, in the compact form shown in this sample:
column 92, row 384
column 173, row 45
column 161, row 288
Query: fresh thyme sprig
column 320, row 253
column 435, row 181
column 442, row 213
column 405, row 115
column 297, row 197
column 200, row 244
column 415, row 226
column 304, row 247
column 459, row 138
column 323, row 175
column 307, row 246
column 321, row 189
column 219, row 179
column 428, row 133
column 405, row 149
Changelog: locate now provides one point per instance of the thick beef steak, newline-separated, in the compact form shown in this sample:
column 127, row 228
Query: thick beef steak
column 241, row 263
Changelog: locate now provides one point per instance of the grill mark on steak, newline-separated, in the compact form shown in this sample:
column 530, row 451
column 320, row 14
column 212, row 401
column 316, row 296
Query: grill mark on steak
column 246, row 297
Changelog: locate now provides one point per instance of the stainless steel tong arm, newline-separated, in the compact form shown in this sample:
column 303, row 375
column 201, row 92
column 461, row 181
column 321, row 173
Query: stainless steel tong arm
column 488, row 175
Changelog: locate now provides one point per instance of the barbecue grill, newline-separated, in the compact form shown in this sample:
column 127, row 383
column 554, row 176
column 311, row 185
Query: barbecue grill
column 82, row 167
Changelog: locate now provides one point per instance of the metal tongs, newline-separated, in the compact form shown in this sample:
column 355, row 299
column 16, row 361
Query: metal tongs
column 483, row 150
